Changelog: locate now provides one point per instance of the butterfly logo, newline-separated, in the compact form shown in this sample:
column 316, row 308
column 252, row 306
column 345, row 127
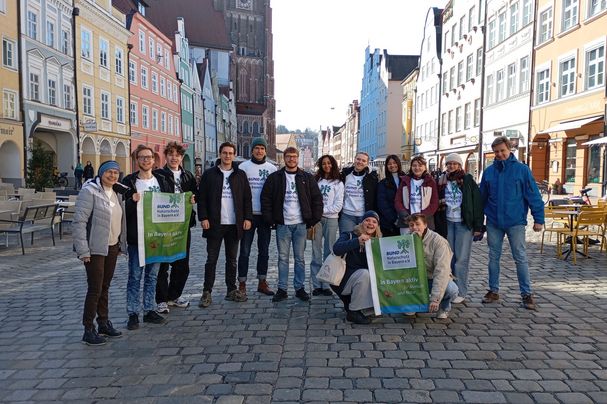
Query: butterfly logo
column 403, row 245
column 325, row 189
column 174, row 200
column 263, row 174
column 359, row 183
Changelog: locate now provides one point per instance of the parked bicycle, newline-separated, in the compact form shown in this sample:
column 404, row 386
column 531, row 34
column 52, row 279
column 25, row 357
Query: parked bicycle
column 545, row 190
column 60, row 179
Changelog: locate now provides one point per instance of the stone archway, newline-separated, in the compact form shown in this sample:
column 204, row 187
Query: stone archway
column 105, row 151
column 122, row 158
column 540, row 157
column 88, row 152
column 10, row 162
column 472, row 165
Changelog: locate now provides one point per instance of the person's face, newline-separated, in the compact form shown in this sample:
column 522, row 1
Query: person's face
column 88, row 163
column 326, row 165
column 392, row 166
column 174, row 159
column 418, row 168
column 145, row 160
column 110, row 177
column 361, row 161
column 291, row 161
column 227, row 156
column 453, row 166
column 370, row 225
column 502, row 152
column 259, row 152
column 418, row 227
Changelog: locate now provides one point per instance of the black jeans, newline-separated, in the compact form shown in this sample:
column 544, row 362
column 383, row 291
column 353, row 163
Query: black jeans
column 264, row 234
column 230, row 235
column 170, row 289
column 99, row 274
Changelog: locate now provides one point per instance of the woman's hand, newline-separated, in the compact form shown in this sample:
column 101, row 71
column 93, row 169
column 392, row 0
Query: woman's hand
column 193, row 200
column 136, row 197
column 86, row 260
column 363, row 238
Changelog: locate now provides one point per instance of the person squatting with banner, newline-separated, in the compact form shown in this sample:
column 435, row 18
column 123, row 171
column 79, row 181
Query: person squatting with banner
column 99, row 230
column 138, row 182
column 169, row 289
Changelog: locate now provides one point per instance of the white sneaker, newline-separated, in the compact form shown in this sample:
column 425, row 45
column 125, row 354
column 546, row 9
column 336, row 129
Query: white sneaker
column 410, row 313
column 162, row 308
column 442, row 314
column 179, row 302
column 458, row 300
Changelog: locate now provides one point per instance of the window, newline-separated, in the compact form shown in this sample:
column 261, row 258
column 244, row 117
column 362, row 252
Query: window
column 85, row 44
column 87, row 100
column 119, row 56
column 491, row 42
column 513, row 18
column 145, row 116
column 163, row 122
column 34, row 87
column 479, row 61
column 32, row 24
column 445, row 82
column 2, row 6
column 489, row 90
column 142, row 42
column 52, row 92
column 460, row 72
column 166, row 59
column 132, row 72
column 65, row 41
column 169, row 90
column 462, row 28
column 453, row 33
column 9, row 104
column 158, row 52
column 450, row 122
column 105, row 105
column 471, row 18
column 103, row 50
column 527, row 12
column 570, row 160
column 133, row 113
column 151, row 47
column 170, row 124
column 50, row 33
column 596, row 6
column 469, row 61
column 595, row 67
column 567, row 77
column 452, row 77
column 499, row 85
column 570, row 12
column 502, row 26
column 594, row 163
column 67, row 96
column 162, row 87
column 467, row 115
column 154, row 119
column 120, row 109
column 154, row 82
column 524, row 74
column 545, row 26
column 446, row 42
column 144, row 77
column 543, row 86
column 458, row 119
column 511, row 81
column 477, row 112
column 9, row 58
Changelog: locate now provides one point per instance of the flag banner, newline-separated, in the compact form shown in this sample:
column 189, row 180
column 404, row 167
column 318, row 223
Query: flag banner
column 399, row 283
column 163, row 221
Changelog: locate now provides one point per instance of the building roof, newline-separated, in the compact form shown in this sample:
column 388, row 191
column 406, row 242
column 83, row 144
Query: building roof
column 205, row 26
column 399, row 66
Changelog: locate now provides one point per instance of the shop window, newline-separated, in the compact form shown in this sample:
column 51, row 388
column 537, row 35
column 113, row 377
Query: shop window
column 570, row 160
column 594, row 163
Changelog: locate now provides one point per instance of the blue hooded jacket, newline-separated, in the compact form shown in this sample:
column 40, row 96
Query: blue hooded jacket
column 508, row 191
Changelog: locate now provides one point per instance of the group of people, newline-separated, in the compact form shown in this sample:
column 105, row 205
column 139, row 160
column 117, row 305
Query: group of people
column 236, row 201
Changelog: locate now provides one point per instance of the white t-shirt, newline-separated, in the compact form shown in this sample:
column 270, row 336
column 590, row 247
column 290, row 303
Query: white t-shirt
column 453, row 200
column 147, row 185
column 415, row 196
column 228, row 214
column 291, row 210
column 257, row 175
column 354, row 199
column 177, row 177
column 332, row 192
column 396, row 179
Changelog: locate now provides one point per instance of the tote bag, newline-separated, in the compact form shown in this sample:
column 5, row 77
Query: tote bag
column 332, row 270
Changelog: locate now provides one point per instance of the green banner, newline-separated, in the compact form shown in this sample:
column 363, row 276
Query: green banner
column 399, row 283
column 163, row 221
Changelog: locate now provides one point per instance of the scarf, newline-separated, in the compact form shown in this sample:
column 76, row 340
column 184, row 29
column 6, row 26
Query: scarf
column 262, row 161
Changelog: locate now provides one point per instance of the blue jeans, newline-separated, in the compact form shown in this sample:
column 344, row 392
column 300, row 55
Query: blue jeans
column 133, row 285
column 264, row 234
column 516, row 238
column 285, row 235
column 327, row 230
column 459, row 237
column 347, row 222
column 450, row 293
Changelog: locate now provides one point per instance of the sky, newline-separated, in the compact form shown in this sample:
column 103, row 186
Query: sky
column 319, row 52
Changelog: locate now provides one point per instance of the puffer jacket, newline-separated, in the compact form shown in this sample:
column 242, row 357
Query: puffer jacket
column 92, row 217
column 437, row 257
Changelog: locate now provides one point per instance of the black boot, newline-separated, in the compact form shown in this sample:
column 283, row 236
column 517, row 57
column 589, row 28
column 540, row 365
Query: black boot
column 108, row 330
column 91, row 337
column 357, row 317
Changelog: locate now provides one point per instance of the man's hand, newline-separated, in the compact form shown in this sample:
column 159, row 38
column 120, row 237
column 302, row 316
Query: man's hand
column 433, row 307
column 136, row 197
column 205, row 224
column 246, row 225
column 537, row 227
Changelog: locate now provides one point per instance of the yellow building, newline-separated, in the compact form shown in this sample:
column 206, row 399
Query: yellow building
column 103, row 100
column 11, row 123
column 409, row 138
column 569, row 94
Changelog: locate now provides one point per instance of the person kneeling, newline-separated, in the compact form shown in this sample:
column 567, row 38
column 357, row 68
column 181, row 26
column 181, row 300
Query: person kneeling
column 355, row 287
column 438, row 256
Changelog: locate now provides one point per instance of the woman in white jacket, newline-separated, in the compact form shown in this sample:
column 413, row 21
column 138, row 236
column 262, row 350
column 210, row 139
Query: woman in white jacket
column 332, row 190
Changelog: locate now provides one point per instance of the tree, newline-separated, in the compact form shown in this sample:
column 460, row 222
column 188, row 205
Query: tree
column 39, row 168
column 282, row 129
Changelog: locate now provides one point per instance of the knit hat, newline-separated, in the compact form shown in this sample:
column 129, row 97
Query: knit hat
column 259, row 141
column 370, row 213
column 455, row 158
column 108, row 165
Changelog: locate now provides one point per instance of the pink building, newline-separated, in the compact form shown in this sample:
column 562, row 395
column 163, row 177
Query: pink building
column 155, row 111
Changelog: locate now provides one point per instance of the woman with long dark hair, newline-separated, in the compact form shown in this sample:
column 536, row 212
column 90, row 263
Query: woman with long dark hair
column 386, row 191
column 332, row 190
column 417, row 193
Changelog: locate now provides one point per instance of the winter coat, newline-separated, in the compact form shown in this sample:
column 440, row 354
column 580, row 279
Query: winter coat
column 429, row 197
column 472, row 206
column 347, row 243
column 437, row 257
column 369, row 186
column 386, row 193
column 89, row 172
column 188, row 184
column 92, row 216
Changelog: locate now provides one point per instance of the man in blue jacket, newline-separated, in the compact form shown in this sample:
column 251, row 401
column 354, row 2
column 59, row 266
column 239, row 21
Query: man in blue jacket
column 508, row 191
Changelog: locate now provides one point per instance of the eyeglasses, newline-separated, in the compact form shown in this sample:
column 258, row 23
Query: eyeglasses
column 145, row 158
column 291, row 156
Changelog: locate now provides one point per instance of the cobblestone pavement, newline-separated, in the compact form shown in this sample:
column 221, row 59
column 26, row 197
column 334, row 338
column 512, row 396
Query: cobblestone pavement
column 259, row 352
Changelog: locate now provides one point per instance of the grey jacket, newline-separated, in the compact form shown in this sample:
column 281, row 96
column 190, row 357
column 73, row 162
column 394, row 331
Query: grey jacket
column 91, row 224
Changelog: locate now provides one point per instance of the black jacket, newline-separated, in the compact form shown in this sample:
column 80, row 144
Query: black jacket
column 369, row 186
column 188, row 184
column 88, row 171
column 273, row 197
column 386, row 191
column 131, row 206
column 209, row 198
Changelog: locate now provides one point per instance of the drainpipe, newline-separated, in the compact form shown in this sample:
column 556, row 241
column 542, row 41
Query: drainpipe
column 482, row 100
column 76, row 13
column 21, row 93
column 532, row 84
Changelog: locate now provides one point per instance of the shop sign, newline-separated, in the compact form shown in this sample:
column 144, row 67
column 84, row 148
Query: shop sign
column 7, row 130
column 90, row 126
column 51, row 122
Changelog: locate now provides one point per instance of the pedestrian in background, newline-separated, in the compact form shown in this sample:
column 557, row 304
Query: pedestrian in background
column 417, row 193
column 89, row 171
column 360, row 192
column 386, row 193
column 78, row 173
column 99, row 228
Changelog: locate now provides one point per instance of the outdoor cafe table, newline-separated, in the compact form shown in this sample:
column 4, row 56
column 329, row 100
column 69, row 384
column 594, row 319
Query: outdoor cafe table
column 572, row 214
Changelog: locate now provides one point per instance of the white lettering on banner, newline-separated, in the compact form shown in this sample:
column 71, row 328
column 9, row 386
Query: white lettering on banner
column 397, row 252
column 168, row 208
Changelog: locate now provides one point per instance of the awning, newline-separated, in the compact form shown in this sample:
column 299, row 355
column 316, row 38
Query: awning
column 601, row 140
column 568, row 125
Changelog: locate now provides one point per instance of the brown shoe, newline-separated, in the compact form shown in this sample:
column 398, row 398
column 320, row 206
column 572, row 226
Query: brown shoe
column 242, row 287
column 491, row 297
column 263, row 287
column 236, row 296
column 529, row 302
